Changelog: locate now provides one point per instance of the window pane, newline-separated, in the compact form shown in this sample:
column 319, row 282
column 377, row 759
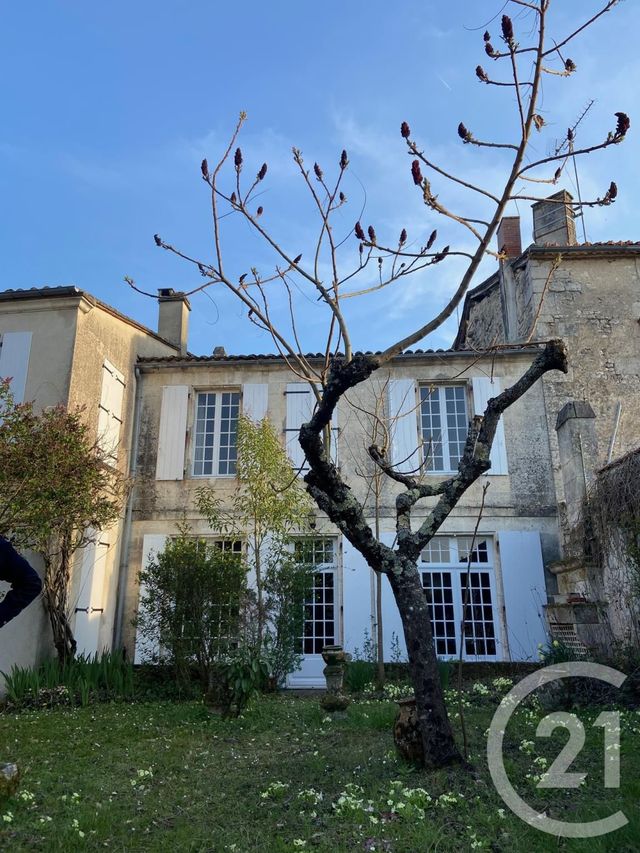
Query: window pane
column 431, row 429
column 457, row 422
column 205, row 418
column 439, row 594
column 479, row 635
column 230, row 406
column 437, row 551
column 480, row 553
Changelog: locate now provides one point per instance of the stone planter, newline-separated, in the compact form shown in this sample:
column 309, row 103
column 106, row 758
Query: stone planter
column 406, row 733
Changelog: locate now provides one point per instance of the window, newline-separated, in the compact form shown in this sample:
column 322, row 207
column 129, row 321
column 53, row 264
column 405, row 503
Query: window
column 444, row 424
column 216, row 426
column 320, row 610
column 450, row 582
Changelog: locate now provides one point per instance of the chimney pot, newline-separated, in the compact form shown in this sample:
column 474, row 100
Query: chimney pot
column 554, row 220
column 219, row 352
column 509, row 240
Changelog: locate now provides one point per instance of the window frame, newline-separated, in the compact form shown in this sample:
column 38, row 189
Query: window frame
column 456, row 567
column 322, row 568
column 441, row 388
column 217, row 428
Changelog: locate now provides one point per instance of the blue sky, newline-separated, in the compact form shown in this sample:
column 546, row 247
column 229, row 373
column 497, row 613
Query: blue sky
column 109, row 108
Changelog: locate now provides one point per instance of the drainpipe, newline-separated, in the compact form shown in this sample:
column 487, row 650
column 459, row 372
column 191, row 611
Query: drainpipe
column 123, row 573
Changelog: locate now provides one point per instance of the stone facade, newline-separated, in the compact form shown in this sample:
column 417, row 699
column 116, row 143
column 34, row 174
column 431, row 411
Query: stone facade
column 71, row 335
column 588, row 295
column 585, row 294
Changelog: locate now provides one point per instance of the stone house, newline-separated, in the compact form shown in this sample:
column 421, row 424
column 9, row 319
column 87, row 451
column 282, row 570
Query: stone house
column 178, row 430
column 186, row 435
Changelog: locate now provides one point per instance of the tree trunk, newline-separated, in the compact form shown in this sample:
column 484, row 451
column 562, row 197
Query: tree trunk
column 56, row 584
column 438, row 743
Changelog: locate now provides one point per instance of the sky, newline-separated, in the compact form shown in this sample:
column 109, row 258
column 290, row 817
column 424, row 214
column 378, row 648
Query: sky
column 109, row 108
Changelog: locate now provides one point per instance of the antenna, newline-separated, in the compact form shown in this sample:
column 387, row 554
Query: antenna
column 569, row 145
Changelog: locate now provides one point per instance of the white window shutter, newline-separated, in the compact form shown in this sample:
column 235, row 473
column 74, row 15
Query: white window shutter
column 148, row 648
column 255, row 400
column 525, row 593
column 483, row 390
column 90, row 605
column 403, row 425
column 172, row 433
column 110, row 409
column 300, row 403
column 14, row 361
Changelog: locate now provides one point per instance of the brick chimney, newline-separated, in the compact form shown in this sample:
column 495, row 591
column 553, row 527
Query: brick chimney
column 173, row 317
column 553, row 220
column 508, row 235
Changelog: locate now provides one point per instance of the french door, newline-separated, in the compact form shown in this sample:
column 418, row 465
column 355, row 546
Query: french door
column 321, row 610
column 455, row 585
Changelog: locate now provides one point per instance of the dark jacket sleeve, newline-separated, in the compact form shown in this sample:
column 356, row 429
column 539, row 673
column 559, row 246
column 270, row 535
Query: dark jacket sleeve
column 25, row 583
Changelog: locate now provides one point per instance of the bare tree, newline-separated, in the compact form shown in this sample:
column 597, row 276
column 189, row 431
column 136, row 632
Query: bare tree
column 517, row 70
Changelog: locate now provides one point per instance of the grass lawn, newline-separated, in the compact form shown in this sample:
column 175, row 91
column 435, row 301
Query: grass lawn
column 170, row 776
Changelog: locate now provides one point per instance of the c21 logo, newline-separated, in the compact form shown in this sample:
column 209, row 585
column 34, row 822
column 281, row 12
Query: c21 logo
column 557, row 776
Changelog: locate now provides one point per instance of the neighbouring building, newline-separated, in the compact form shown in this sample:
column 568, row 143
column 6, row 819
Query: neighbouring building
column 180, row 410
column 588, row 294
column 63, row 346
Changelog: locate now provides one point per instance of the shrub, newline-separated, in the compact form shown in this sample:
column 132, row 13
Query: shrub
column 78, row 681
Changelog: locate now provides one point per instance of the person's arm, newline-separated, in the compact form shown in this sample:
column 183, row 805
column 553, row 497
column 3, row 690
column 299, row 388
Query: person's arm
column 25, row 583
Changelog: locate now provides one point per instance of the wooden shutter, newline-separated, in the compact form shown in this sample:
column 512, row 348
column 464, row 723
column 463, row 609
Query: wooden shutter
column 524, row 590
column 14, row 361
column 300, row 402
column 403, row 425
column 483, row 389
column 148, row 647
column 90, row 605
column 255, row 398
column 110, row 409
column 172, row 433
column 300, row 405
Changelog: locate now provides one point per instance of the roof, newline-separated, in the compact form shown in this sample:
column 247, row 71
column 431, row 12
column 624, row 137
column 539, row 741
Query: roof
column 606, row 248
column 179, row 360
column 66, row 290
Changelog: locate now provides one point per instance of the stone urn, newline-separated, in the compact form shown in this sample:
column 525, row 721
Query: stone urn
column 334, row 700
column 335, row 658
column 9, row 779
column 406, row 733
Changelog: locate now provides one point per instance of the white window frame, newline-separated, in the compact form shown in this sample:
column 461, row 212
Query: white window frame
column 456, row 566
column 426, row 456
column 324, row 568
column 218, row 392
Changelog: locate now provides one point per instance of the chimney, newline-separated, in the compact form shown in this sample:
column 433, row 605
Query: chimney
column 173, row 317
column 553, row 220
column 509, row 242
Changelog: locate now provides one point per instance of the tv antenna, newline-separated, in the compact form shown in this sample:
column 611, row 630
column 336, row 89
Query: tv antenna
column 568, row 144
